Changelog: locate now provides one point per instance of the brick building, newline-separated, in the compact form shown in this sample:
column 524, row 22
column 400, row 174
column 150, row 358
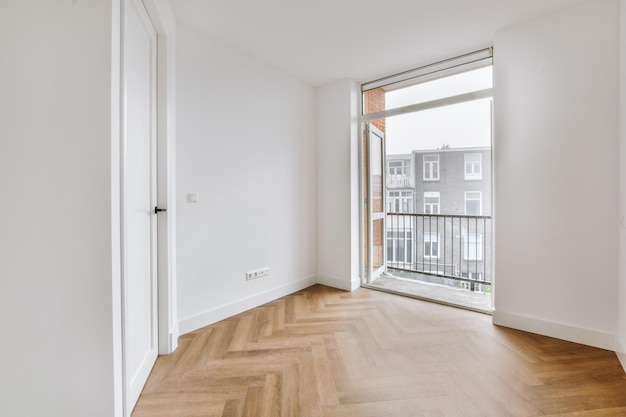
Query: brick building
column 439, row 215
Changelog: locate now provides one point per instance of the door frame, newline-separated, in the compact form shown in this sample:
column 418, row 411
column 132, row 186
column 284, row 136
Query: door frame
column 372, row 273
column 164, row 23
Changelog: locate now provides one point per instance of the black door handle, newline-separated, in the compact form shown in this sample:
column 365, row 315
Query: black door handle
column 158, row 210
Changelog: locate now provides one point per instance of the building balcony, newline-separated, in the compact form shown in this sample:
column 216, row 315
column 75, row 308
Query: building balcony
column 400, row 181
column 442, row 250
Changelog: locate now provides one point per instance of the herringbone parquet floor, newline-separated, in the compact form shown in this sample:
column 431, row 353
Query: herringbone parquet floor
column 325, row 352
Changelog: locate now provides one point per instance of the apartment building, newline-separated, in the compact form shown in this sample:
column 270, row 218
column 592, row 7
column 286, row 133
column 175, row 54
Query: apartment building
column 439, row 215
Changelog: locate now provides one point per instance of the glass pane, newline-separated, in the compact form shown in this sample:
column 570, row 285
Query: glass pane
column 472, row 207
column 476, row 80
column 409, row 250
column 457, row 126
column 377, row 243
column 377, row 174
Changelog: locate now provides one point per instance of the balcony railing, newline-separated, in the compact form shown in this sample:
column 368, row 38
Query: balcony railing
column 450, row 247
column 399, row 181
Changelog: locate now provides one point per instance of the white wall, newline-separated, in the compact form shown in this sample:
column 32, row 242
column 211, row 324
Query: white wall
column 338, row 185
column 556, row 192
column 56, row 355
column 621, row 333
column 246, row 144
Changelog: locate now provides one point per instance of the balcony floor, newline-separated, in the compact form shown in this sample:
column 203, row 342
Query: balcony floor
column 475, row 301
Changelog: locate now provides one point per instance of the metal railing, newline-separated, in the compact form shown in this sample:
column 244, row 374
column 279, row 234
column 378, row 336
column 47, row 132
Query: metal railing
column 450, row 247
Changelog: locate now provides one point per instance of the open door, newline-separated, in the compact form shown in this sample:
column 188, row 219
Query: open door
column 375, row 152
column 139, row 186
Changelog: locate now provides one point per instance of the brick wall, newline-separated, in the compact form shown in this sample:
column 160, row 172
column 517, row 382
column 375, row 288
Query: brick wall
column 373, row 101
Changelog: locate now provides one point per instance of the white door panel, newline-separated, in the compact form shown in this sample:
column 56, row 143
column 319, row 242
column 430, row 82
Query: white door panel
column 139, row 199
column 376, row 204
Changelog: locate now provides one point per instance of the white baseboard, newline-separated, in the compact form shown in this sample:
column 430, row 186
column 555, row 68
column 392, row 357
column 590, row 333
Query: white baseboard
column 620, row 349
column 173, row 338
column 341, row 284
column 222, row 312
column 574, row 334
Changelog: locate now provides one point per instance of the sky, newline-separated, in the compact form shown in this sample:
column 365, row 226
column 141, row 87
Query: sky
column 458, row 126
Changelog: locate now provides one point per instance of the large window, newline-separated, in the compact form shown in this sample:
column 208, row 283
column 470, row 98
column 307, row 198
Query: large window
column 473, row 247
column 437, row 125
column 431, row 167
column 400, row 201
column 431, row 202
column 473, row 203
column 473, row 166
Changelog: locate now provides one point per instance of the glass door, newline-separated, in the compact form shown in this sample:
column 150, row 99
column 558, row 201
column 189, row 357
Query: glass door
column 376, row 264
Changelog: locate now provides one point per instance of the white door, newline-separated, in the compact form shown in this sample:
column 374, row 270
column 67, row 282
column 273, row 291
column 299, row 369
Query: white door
column 376, row 234
column 139, row 260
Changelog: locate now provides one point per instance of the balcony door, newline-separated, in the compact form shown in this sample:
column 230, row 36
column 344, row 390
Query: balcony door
column 376, row 202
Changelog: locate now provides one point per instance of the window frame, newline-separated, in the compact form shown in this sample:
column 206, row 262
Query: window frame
column 393, row 237
column 478, row 241
column 430, row 235
column 473, row 176
column 430, row 167
column 438, row 204
column 403, row 198
column 480, row 202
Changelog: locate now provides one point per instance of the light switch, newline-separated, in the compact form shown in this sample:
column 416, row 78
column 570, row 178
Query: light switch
column 192, row 198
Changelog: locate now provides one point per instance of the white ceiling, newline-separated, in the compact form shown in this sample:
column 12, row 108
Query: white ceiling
column 320, row 41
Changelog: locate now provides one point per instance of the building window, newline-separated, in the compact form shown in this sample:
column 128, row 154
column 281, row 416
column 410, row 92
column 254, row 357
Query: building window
column 431, row 245
column 473, row 203
column 473, row 166
column 431, row 167
column 472, row 275
column 400, row 201
column 400, row 246
column 431, row 202
column 473, row 247
column 399, row 173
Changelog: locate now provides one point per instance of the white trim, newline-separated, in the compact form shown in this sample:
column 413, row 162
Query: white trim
column 620, row 351
column 222, row 312
column 458, row 64
column 434, row 104
column 589, row 337
column 340, row 284
column 622, row 359
column 173, row 335
column 116, row 221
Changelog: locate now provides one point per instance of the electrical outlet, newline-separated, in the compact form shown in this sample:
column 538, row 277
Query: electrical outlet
column 257, row 274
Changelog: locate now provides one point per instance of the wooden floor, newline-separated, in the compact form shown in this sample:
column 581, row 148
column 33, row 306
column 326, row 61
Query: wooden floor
column 325, row 352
